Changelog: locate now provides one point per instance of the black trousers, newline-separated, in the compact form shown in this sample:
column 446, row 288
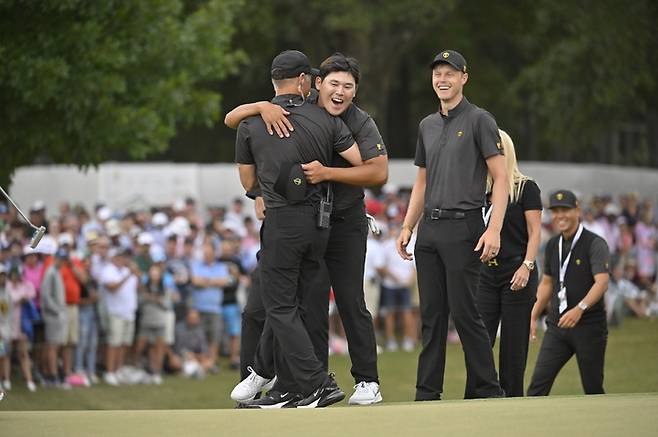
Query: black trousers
column 292, row 253
column 498, row 304
column 448, row 271
column 345, row 258
column 587, row 341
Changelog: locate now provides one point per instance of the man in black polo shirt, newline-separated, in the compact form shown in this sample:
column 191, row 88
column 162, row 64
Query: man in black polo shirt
column 456, row 147
column 293, row 244
column 574, row 281
column 345, row 255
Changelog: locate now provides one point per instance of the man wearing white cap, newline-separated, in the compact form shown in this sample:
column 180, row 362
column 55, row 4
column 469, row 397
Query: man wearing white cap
column 119, row 279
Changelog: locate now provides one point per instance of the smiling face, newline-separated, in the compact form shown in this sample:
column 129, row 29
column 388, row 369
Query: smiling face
column 337, row 91
column 565, row 220
column 448, row 83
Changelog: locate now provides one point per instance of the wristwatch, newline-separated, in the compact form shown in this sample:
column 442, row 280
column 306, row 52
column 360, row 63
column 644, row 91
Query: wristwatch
column 529, row 264
column 582, row 305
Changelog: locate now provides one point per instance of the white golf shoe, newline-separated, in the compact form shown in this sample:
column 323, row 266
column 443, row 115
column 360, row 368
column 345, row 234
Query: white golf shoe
column 249, row 387
column 366, row 393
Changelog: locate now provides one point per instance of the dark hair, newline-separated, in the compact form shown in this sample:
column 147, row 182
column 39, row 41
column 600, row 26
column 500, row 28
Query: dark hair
column 340, row 62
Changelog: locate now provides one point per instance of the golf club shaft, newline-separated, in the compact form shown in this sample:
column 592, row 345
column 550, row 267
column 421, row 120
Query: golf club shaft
column 17, row 208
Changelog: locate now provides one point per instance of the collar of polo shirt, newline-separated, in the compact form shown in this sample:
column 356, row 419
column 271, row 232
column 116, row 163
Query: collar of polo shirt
column 456, row 110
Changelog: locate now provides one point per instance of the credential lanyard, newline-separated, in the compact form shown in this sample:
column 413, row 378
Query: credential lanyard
column 562, row 294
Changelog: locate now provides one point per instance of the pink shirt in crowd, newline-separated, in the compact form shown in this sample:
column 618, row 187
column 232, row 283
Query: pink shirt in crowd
column 34, row 275
column 19, row 291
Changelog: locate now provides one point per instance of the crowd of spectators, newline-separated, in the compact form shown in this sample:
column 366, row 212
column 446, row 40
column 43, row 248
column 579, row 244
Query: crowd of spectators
column 126, row 296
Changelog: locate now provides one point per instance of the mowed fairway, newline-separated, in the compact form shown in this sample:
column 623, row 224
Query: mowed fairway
column 193, row 407
column 604, row 415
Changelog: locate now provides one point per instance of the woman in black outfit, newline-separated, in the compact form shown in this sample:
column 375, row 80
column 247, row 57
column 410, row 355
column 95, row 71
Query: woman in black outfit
column 508, row 283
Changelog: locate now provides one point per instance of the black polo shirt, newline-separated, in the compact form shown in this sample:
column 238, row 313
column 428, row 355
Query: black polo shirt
column 514, row 234
column 316, row 136
column 370, row 142
column 454, row 149
column 371, row 145
column 590, row 256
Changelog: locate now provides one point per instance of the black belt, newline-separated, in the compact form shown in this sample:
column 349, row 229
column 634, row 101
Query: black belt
column 450, row 214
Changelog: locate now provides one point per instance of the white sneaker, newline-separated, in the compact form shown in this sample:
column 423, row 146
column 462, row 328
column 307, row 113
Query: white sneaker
column 31, row 386
column 408, row 345
column 249, row 387
column 156, row 379
column 110, row 379
column 391, row 345
column 366, row 393
column 6, row 384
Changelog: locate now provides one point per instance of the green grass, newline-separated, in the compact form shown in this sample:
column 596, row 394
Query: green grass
column 604, row 415
column 631, row 367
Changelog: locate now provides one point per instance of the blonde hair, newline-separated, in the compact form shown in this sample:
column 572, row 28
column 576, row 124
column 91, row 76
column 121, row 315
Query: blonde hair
column 515, row 178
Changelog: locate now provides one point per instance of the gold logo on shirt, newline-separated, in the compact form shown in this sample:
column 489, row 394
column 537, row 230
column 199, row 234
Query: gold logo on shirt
column 445, row 55
column 379, row 146
column 460, row 133
column 559, row 196
column 499, row 146
column 578, row 261
column 297, row 181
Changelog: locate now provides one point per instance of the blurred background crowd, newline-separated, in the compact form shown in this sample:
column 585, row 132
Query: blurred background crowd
column 125, row 297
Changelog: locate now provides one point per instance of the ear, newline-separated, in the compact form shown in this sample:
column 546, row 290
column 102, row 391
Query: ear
column 464, row 78
column 318, row 82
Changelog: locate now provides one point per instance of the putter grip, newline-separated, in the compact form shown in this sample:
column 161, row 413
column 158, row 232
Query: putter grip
column 36, row 237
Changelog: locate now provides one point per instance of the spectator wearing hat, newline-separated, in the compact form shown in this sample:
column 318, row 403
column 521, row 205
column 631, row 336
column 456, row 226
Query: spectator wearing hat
column 119, row 279
column 38, row 218
column 576, row 265
column 209, row 277
column 230, row 308
column 87, row 348
column 457, row 146
column 74, row 275
column 142, row 253
column 22, row 294
column 156, row 295
column 55, row 315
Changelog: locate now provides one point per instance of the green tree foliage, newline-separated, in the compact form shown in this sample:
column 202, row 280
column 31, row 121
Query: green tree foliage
column 82, row 80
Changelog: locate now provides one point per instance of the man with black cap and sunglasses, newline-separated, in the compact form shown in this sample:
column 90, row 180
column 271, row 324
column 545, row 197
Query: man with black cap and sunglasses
column 456, row 148
column 345, row 256
column 576, row 264
column 296, row 227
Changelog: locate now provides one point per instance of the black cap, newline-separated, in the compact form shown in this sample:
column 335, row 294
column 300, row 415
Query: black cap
column 291, row 63
column 563, row 199
column 450, row 57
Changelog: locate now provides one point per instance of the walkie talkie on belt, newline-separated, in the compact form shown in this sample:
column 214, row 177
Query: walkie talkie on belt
column 326, row 206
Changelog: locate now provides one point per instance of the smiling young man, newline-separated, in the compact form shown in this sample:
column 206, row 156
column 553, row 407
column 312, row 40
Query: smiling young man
column 574, row 281
column 456, row 148
column 345, row 255
column 294, row 240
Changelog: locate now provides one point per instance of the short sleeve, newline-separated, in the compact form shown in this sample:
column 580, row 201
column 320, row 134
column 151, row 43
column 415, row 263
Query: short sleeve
column 243, row 153
column 420, row 159
column 531, row 197
column 343, row 138
column 548, row 251
column 369, row 140
column 599, row 256
column 487, row 137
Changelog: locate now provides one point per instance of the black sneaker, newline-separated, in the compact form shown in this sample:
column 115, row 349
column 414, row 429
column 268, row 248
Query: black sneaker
column 274, row 399
column 327, row 394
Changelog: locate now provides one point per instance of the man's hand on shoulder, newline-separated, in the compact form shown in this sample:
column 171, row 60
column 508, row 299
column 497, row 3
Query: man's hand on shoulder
column 275, row 119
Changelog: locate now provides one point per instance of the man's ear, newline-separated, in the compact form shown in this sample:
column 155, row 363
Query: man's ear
column 318, row 82
column 464, row 78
